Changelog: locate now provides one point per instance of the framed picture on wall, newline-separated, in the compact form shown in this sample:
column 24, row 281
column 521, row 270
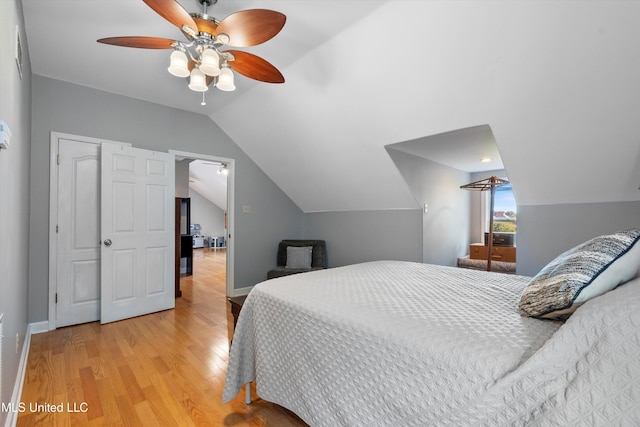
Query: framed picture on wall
column 18, row 52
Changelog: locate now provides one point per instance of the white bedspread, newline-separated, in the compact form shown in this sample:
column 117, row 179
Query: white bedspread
column 394, row 343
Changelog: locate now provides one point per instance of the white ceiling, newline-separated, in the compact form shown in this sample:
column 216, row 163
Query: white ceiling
column 472, row 149
column 204, row 177
column 556, row 82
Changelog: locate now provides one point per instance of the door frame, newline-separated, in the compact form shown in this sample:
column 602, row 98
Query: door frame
column 53, row 212
column 231, row 166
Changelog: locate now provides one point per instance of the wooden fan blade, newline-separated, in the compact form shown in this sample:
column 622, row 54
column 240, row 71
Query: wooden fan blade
column 251, row 27
column 254, row 67
column 138, row 41
column 172, row 12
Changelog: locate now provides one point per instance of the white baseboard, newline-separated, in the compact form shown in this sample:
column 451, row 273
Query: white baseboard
column 33, row 328
column 38, row 327
column 241, row 291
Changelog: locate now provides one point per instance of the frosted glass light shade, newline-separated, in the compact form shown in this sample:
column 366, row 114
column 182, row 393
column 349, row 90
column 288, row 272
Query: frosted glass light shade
column 225, row 80
column 178, row 64
column 210, row 62
column 198, row 81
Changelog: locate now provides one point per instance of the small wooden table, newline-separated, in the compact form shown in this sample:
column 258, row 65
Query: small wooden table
column 236, row 306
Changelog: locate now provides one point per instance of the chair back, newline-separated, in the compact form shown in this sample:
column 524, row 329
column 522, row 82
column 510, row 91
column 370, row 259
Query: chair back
column 318, row 253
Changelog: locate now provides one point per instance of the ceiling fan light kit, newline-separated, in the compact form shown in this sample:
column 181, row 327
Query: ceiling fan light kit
column 225, row 81
column 201, row 59
column 198, row 81
column 210, row 62
column 179, row 64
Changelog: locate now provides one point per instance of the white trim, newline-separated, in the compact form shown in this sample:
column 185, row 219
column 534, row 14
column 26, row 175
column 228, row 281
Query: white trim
column 53, row 221
column 38, row 327
column 231, row 166
column 485, row 203
column 241, row 291
column 32, row 328
column 53, row 212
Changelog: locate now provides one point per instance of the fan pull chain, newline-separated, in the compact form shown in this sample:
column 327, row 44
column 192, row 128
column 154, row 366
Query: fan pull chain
column 203, row 101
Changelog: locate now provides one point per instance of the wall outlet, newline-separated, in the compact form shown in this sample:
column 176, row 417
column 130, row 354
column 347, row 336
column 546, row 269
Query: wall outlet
column 426, row 208
column 246, row 208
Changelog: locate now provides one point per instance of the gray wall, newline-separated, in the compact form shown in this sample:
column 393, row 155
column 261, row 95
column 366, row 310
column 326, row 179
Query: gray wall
column 182, row 177
column 359, row 236
column 545, row 231
column 15, row 110
column 68, row 108
column 209, row 216
column 445, row 227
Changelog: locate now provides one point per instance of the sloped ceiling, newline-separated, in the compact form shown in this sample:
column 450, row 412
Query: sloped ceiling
column 471, row 150
column 556, row 81
column 205, row 179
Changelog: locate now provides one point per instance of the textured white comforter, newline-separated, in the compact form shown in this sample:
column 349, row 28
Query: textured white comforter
column 394, row 343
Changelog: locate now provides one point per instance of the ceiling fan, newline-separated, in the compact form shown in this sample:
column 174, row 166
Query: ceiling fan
column 200, row 58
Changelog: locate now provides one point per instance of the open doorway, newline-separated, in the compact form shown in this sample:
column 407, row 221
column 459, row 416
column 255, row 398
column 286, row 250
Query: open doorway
column 207, row 182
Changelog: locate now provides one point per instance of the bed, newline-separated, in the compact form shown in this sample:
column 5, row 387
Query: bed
column 401, row 343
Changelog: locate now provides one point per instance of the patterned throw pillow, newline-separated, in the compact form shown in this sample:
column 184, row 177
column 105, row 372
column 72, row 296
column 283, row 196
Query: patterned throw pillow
column 299, row 257
column 579, row 274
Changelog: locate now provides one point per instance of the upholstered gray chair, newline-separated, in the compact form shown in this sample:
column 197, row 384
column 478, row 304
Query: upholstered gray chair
column 294, row 257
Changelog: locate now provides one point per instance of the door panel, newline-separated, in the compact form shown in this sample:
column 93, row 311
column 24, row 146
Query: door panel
column 138, row 200
column 85, row 272
column 155, row 275
column 78, row 247
column 123, row 273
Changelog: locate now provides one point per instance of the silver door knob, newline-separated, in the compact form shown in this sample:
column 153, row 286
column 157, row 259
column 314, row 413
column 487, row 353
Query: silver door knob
column 107, row 242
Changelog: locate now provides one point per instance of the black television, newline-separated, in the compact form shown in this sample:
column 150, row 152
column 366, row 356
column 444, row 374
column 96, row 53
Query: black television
column 501, row 239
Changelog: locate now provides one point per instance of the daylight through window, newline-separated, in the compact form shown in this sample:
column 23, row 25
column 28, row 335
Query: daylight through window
column 504, row 210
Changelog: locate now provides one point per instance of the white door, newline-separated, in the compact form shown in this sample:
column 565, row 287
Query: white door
column 78, row 233
column 137, row 252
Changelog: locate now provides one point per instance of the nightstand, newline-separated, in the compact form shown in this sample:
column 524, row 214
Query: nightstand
column 236, row 306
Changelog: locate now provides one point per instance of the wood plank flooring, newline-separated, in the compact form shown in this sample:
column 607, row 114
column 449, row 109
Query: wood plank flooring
column 162, row 369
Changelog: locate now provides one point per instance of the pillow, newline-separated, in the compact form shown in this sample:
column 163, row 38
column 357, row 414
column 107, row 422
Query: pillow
column 581, row 273
column 299, row 257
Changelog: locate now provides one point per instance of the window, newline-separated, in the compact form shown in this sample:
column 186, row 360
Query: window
column 504, row 210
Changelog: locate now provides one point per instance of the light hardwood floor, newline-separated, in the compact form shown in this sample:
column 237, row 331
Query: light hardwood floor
column 162, row 369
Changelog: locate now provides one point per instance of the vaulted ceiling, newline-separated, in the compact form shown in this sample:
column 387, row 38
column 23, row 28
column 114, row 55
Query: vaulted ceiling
column 556, row 82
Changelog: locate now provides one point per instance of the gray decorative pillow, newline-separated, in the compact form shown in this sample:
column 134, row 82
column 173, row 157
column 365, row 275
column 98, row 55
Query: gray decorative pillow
column 581, row 273
column 299, row 257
